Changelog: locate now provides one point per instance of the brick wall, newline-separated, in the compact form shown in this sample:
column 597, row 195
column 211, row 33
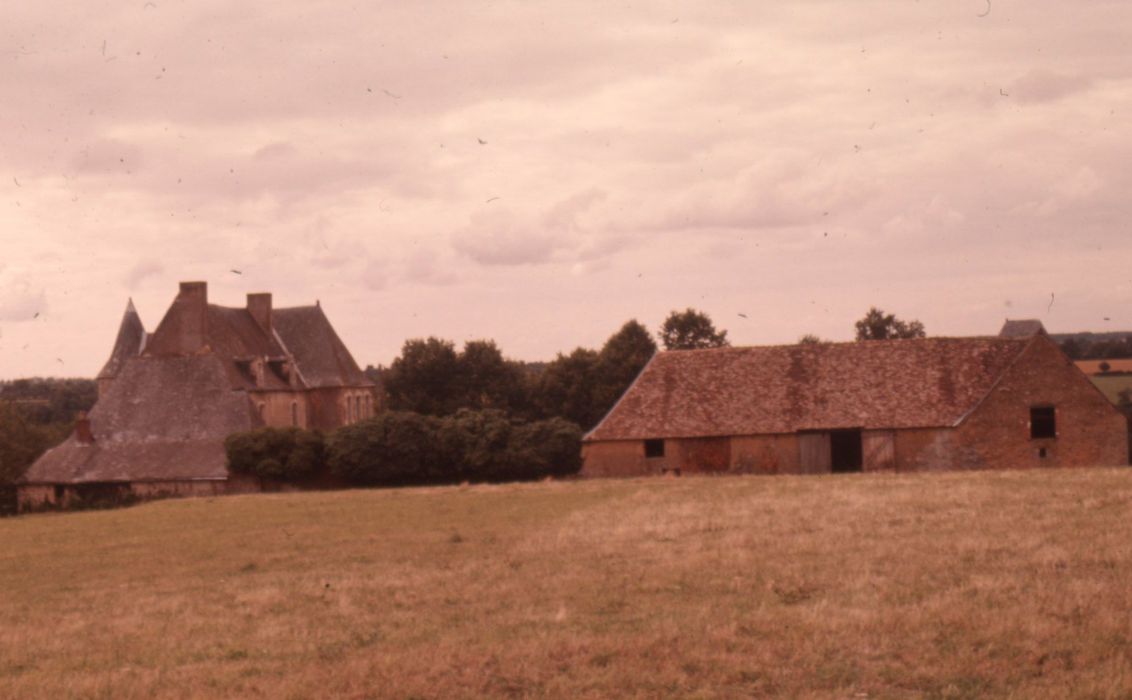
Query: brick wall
column 1090, row 431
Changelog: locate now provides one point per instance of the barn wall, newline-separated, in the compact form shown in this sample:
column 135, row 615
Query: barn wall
column 34, row 497
column 618, row 458
column 699, row 455
column 1090, row 431
column 765, row 454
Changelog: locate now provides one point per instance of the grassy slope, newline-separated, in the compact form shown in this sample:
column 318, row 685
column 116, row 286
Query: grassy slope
column 950, row 585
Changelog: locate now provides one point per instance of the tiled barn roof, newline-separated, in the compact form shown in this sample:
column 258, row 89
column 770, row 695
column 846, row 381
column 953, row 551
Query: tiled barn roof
column 782, row 389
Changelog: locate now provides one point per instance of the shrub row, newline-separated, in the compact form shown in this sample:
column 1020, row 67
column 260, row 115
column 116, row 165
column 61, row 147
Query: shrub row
column 400, row 447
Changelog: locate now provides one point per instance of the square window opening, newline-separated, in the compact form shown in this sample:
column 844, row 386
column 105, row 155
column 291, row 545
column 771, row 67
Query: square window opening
column 1043, row 422
column 654, row 448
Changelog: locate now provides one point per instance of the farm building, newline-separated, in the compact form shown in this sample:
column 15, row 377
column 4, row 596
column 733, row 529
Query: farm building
column 167, row 400
column 903, row 405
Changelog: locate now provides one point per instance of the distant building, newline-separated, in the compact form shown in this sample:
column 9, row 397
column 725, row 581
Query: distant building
column 1021, row 328
column 168, row 399
column 896, row 405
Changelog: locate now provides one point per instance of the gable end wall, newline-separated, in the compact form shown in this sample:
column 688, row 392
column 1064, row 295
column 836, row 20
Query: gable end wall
column 1090, row 431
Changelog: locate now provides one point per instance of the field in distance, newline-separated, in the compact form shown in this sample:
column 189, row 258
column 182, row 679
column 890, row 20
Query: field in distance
column 941, row 585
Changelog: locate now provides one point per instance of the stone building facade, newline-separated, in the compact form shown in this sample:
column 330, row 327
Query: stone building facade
column 899, row 405
column 168, row 399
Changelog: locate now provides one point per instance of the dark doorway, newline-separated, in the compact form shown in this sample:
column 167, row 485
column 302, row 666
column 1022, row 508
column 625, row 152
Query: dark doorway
column 845, row 450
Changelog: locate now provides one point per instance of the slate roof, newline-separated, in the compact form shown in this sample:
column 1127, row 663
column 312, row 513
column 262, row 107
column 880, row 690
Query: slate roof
column 129, row 343
column 170, row 406
column 321, row 355
column 925, row 382
column 162, row 418
column 1021, row 328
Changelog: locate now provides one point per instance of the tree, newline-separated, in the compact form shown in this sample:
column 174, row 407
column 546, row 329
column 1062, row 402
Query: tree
column 22, row 441
column 425, row 378
column 690, row 330
column 487, row 379
column 811, row 339
column 621, row 359
column 567, row 386
column 877, row 325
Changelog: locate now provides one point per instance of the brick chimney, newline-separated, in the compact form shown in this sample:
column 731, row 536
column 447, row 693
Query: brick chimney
column 193, row 301
column 82, row 429
column 259, row 306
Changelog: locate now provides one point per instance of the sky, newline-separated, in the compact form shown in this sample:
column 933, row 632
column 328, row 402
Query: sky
column 538, row 173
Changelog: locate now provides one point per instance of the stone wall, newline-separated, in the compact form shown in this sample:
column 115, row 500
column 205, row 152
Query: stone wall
column 40, row 497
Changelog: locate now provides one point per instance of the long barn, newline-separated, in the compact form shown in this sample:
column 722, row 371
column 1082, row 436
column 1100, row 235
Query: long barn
column 902, row 405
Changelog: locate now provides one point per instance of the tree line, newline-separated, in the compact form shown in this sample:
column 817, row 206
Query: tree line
column 36, row 414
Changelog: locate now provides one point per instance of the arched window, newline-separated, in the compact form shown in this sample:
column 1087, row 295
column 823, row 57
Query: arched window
column 295, row 413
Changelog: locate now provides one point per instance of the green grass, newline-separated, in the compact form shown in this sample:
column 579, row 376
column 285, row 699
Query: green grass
column 1013, row 584
column 1112, row 384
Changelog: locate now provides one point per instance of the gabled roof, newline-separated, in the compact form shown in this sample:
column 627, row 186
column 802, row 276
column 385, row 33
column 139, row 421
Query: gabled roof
column 321, row 355
column 162, row 418
column 129, row 343
column 876, row 384
column 177, row 396
column 1021, row 328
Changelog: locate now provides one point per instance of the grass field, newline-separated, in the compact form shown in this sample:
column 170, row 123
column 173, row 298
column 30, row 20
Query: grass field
column 1112, row 384
column 1015, row 584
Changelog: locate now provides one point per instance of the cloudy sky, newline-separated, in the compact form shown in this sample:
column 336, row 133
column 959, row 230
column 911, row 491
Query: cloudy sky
column 539, row 173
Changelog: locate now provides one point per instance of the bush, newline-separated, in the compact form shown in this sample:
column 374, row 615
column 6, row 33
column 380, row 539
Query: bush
column 395, row 447
column 286, row 454
column 400, row 447
column 557, row 444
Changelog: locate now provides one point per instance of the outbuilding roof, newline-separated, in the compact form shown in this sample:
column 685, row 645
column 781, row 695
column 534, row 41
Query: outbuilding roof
column 876, row 384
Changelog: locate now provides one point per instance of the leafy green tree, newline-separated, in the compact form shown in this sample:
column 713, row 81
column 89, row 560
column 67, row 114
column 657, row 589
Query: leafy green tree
column 22, row 441
column 567, row 388
column 621, row 359
column 488, row 380
column 425, row 378
column 811, row 339
column 50, row 400
column 690, row 330
column 877, row 325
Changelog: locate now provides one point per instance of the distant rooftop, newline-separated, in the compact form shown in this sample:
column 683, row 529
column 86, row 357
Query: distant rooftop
column 1021, row 328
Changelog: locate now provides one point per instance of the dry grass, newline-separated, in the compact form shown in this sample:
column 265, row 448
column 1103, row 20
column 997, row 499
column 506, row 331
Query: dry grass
column 1011, row 584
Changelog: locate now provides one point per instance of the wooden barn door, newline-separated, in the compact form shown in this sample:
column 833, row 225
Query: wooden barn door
column 814, row 454
column 879, row 450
